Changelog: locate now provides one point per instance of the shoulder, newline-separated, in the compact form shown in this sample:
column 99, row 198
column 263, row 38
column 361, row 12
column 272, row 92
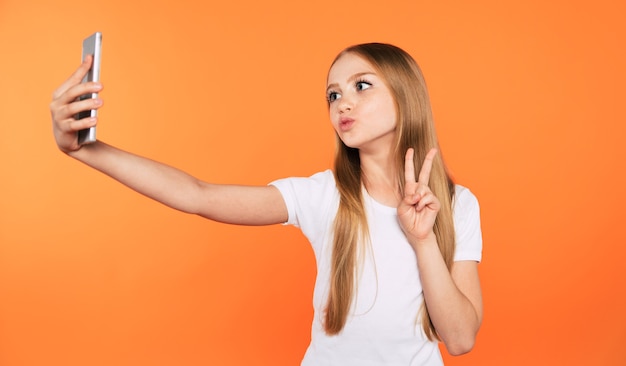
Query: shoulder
column 464, row 200
column 318, row 180
column 309, row 199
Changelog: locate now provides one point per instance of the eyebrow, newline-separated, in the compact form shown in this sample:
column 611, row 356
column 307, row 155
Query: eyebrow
column 351, row 78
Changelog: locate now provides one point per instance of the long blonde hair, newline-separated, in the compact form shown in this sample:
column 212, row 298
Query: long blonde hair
column 415, row 128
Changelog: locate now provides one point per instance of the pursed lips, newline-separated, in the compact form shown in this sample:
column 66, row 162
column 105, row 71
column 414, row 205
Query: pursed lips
column 345, row 123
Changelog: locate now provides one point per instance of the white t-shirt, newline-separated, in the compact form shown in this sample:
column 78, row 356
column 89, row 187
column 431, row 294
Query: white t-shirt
column 383, row 326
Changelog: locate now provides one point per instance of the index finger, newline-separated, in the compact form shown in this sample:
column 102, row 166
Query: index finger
column 75, row 78
column 424, row 176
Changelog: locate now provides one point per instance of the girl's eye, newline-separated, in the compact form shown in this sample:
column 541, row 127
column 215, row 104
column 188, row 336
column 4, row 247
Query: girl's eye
column 362, row 85
column 332, row 96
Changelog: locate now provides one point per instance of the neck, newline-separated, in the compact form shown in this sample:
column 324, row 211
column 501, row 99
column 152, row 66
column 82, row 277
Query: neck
column 380, row 176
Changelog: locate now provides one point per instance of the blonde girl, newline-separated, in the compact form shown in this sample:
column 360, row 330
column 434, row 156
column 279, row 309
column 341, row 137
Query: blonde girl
column 397, row 243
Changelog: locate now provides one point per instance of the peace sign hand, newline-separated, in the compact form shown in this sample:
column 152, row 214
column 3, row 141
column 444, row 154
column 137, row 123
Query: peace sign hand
column 419, row 207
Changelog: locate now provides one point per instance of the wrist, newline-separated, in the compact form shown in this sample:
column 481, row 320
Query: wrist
column 426, row 240
column 83, row 152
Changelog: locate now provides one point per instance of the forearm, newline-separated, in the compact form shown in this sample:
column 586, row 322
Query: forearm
column 155, row 180
column 454, row 316
column 233, row 204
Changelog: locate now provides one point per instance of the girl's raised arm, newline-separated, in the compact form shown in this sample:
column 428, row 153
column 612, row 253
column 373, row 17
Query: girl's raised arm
column 235, row 204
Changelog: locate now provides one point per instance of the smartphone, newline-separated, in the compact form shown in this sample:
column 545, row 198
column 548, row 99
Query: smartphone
column 92, row 45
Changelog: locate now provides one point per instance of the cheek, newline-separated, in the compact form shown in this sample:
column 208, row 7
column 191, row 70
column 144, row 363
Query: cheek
column 390, row 112
column 390, row 104
column 385, row 111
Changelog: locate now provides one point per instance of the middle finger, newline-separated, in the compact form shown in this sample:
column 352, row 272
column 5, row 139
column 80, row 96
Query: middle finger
column 71, row 110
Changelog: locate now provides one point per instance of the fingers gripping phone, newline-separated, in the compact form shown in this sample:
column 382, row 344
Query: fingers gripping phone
column 92, row 45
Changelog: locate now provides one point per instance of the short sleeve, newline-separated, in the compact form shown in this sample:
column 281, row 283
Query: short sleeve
column 469, row 241
column 311, row 202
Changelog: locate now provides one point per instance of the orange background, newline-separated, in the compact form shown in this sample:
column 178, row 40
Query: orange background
column 529, row 103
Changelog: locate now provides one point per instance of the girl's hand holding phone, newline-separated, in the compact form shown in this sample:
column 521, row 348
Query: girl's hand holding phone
column 65, row 106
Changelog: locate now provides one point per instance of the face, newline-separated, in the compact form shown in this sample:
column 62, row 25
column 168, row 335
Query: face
column 361, row 106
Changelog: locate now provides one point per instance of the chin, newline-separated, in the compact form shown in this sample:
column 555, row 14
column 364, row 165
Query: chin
column 350, row 144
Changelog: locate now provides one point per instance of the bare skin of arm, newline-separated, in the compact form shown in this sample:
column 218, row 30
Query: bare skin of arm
column 234, row 204
column 454, row 298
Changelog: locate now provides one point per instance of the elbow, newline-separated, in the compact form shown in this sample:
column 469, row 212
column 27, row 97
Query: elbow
column 461, row 346
column 461, row 340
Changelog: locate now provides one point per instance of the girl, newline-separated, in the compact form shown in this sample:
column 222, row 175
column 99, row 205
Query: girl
column 397, row 255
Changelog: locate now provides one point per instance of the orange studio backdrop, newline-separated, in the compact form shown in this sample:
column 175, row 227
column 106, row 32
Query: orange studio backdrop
column 528, row 101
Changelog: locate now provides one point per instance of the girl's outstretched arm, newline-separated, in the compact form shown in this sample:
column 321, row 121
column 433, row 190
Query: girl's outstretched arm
column 235, row 204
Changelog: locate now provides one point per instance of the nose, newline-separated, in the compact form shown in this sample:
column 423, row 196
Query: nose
column 345, row 104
